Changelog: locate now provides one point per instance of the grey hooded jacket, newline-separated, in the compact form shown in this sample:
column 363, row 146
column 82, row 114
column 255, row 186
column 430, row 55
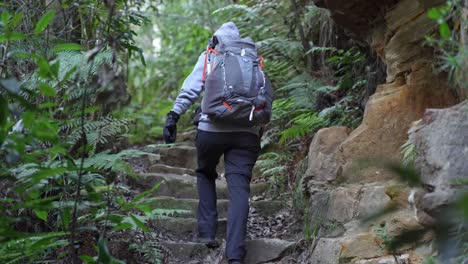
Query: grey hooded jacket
column 193, row 87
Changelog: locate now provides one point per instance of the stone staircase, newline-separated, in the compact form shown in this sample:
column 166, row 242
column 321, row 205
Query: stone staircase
column 174, row 167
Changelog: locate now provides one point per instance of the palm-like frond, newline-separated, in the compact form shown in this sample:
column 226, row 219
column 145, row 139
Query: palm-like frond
column 97, row 132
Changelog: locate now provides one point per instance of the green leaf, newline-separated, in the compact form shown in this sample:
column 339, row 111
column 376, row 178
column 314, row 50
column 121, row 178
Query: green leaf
column 444, row 30
column 46, row 89
column 47, row 105
column 333, row 58
column 12, row 36
column 67, row 47
column 145, row 208
column 5, row 17
column 44, row 21
column 139, row 223
column 41, row 214
column 55, row 68
column 462, row 204
column 88, row 259
column 19, row 55
column 146, row 193
column 434, row 13
column 28, row 119
column 104, row 255
column 16, row 20
column 44, row 67
column 3, row 118
column 56, row 150
column 65, row 217
column 122, row 226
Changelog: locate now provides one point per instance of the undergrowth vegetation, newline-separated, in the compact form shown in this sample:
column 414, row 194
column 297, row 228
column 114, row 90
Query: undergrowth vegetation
column 62, row 73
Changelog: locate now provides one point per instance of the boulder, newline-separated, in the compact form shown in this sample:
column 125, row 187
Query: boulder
column 263, row 250
column 441, row 139
column 327, row 251
column 322, row 162
column 362, row 246
column 342, row 205
column 373, row 200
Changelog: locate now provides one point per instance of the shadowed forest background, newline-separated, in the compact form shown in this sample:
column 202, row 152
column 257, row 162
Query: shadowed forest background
column 85, row 87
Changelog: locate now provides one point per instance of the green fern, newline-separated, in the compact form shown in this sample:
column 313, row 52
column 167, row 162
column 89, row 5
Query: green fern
column 409, row 152
column 97, row 132
column 78, row 65
column 113, row 162
column 27, row 248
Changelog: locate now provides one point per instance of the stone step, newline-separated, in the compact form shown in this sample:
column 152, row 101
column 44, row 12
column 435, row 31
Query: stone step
column 264, row 208
column 184, row 186
column 179, row 156
column 182, row 228
column 162, row 168
column 258, row 250
column 182, row 159
column 187, row 138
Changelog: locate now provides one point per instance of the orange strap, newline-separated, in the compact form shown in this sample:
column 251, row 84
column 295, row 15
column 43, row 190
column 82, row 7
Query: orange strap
column 207, row 54
column 262, row 61
column 227, row 105
column 259, row 109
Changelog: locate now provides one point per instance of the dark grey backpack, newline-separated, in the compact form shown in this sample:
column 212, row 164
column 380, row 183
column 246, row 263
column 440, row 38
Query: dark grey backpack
column 237, row 90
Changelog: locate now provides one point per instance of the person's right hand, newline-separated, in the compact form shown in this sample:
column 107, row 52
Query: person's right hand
column 170, row 127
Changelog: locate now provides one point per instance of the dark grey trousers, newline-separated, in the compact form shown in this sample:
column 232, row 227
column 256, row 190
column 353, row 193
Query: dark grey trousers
column 241, row 150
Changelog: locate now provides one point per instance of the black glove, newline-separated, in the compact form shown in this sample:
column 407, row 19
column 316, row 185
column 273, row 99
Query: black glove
column 196, row 118
column 170, row 127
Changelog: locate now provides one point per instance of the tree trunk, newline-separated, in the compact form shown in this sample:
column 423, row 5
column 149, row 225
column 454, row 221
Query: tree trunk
column 305, row 43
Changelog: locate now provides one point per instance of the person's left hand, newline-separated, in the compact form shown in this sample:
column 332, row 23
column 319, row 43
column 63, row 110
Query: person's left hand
column 170, row 127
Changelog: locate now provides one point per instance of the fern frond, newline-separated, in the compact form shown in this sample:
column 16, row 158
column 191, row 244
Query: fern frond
column 114, row 162
column 409, row 152
column 303, row 124
column 316, row 50
column 237, row 8
column 99, row 132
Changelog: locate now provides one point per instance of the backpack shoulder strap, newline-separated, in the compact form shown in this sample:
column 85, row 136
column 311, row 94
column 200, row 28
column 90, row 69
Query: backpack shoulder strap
column 209, row 50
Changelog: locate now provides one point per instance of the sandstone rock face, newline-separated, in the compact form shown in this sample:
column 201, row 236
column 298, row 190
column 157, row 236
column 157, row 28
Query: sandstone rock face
column 341, row 191
column 387, row 118
column 322, row 161
column 397, row 36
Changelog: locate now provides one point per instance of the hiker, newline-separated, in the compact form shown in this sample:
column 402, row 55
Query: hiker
column 228, row 124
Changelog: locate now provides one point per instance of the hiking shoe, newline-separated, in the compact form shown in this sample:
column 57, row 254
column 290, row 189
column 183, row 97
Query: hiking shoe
column 235, row 262
column 209, row 242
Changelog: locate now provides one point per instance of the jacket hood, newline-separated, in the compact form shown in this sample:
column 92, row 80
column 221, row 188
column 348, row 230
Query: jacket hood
column 228, row 30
